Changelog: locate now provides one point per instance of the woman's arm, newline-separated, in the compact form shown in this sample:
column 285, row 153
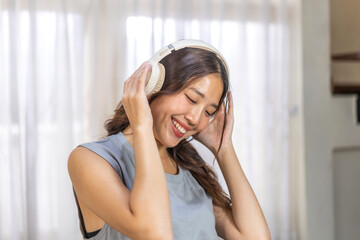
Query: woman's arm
column 149, row 198
column 246, row 214
column 143, row 213
column 245, row 220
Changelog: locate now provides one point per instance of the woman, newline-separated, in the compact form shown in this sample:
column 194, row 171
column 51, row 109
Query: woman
column 171, row 193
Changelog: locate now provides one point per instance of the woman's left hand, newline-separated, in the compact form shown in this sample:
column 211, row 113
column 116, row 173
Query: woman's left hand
column 211, row 135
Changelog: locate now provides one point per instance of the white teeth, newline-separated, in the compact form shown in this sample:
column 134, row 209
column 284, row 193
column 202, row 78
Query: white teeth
column 179, row 127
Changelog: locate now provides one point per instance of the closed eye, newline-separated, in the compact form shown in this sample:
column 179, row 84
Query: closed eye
column 190, row 99
column 194, row 102
column 210, row 114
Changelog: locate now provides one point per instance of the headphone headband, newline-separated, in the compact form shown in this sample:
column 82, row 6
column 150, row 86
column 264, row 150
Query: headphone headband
column 175, row 46
column 156, row 79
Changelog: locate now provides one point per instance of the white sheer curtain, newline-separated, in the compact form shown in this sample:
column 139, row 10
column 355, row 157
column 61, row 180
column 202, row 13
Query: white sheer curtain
column 62, row 64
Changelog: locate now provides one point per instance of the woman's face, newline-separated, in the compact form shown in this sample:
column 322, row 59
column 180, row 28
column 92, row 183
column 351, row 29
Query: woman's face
column 186, row 113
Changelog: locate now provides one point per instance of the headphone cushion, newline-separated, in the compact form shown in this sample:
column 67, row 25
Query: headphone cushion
column 160, row 80
column 156, row 79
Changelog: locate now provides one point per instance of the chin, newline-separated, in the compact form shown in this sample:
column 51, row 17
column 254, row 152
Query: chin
column 169, row 141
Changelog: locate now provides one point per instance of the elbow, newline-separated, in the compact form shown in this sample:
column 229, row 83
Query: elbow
column 260, row 234
column 263, row 237
column 259, row 237
column 155, row 233
column 159, row 234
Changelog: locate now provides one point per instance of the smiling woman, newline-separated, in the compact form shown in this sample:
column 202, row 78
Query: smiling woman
column 62, row 68
column 189, row 110
column 146, row 181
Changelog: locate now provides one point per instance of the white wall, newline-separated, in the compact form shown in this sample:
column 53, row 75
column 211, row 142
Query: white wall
column 346, row 164
column 329, row 122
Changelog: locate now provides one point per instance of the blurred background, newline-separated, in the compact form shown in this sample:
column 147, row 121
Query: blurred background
column 62, row 68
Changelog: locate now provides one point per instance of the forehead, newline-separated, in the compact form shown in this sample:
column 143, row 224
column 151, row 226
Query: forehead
column 211, row 86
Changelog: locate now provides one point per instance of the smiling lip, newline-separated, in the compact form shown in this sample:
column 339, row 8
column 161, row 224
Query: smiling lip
column 177, row 132
column 186, row 127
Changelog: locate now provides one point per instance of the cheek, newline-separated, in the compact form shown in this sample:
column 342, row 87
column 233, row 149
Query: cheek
column 179, row 105
column 165, row 106
column 203, row 124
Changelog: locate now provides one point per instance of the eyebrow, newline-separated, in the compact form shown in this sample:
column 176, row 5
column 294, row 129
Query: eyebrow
column 203, row 96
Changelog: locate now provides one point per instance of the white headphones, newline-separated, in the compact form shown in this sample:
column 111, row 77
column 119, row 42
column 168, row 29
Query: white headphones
column 158, row 71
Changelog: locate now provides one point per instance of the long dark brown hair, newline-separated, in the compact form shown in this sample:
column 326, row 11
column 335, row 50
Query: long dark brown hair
column 182, row 68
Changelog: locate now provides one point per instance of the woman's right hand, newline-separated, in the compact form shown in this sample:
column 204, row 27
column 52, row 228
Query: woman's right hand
column 134, row 99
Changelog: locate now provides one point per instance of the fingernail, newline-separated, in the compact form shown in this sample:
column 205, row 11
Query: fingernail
column 148, row 65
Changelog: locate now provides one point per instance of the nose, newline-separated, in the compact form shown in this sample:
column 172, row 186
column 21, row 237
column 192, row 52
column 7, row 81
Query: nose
column 193, row 117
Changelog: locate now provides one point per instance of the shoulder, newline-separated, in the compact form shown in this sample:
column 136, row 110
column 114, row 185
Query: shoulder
column 86, row 168
column 108, row 147
column 104, row 143
column 113, row 149
column 82, row 159
column 86, row 153
column 81, row 152
column 90, row 155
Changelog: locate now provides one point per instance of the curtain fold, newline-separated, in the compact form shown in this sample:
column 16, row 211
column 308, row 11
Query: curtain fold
column 63, row 64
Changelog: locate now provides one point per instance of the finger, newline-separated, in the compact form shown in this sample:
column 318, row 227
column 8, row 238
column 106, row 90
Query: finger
column 220, row 113
column 125, row 88
column 139, row 78
column 144, row 77
column 134, row 79
column 139, row 71
column 230, row 104
column 128, row 82
column 222, row 108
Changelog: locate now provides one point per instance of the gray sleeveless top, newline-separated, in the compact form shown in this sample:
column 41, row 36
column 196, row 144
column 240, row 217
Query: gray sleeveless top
column 191, row 208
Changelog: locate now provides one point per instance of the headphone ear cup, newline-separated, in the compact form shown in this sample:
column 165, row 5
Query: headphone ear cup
column 156, row 79
column 160, row 80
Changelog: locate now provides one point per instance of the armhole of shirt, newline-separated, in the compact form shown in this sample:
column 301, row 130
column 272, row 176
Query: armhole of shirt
column 85, row 234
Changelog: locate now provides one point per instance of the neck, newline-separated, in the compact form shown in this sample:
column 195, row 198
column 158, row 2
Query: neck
column 168, row 163
column 161, row 148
